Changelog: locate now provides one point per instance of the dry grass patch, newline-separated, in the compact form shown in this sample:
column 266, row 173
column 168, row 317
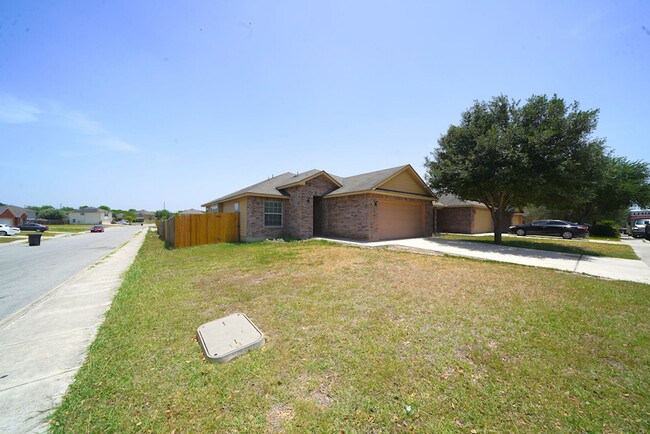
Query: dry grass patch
column 364, row 340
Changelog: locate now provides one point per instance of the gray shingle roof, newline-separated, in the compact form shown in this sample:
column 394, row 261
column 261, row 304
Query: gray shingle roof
column 349, row 185
column 18, row 211
column 449, row 200
column 264, row 188
column 89, row 209
column 365, row 181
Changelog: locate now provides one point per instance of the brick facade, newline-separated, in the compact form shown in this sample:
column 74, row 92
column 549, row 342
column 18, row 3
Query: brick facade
column 16, row 220
column 300, row 210
column 351, row 217
column 357, row 216
column 297, row 212
column 458, row 220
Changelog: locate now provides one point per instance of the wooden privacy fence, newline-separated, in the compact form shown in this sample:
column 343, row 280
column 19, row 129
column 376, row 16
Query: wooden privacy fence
column 195, row 229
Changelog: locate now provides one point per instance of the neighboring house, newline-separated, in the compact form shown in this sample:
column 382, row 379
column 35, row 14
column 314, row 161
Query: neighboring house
column 468, row 217
column 386, row 204
column 190, row 212
column 14, row 215
column 90, row 216
column 144, row 216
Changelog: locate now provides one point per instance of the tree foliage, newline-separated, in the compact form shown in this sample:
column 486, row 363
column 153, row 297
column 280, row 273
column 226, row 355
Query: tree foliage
column 52, row 214
column 162, row 214
column 623, row 184
column 506, row 155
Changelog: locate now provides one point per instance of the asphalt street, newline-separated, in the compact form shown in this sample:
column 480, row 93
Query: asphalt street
column 29, row 272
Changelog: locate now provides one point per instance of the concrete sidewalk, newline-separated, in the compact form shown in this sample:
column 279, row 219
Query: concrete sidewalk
column 610, row 268
column 44, row 345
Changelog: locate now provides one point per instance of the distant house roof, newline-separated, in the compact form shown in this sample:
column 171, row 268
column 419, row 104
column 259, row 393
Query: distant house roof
column 191, row 211
column 90, row 209
column 366, row 182
column 449, row 200
column 18, row 211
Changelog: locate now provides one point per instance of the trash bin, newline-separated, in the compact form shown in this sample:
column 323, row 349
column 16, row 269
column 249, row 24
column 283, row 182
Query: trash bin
column 35, row 239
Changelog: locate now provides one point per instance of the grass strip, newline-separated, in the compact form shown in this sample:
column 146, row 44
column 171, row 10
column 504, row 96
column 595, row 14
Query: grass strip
column 576, row 246
column 363, row 340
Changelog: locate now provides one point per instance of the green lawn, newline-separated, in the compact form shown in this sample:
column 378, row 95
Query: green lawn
column 364, row 340
column 577, row 246
column 70, row 228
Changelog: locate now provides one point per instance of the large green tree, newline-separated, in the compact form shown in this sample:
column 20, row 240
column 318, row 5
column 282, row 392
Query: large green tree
column 624, row 184
column 506, row 155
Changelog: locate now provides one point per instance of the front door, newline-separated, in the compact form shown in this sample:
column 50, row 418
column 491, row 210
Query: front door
column 319, row 227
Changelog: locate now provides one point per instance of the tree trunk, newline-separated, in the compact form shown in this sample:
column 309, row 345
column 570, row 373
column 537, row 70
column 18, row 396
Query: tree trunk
column 496, row 220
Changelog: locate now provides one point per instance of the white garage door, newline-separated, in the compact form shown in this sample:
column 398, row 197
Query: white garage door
column 400, row 220
column 9, row 222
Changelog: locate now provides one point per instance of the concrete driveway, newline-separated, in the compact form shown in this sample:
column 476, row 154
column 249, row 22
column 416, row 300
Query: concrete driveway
column 641, row 247
column 610, row 268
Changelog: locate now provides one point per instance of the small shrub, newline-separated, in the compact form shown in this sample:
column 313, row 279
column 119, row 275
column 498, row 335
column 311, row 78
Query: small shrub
column 605, row 228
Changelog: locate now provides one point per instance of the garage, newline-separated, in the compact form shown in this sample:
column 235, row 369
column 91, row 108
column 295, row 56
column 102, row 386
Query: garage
column 8, row 222
column 401, row 219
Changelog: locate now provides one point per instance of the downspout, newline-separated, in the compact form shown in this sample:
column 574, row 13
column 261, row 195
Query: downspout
column 435, row 221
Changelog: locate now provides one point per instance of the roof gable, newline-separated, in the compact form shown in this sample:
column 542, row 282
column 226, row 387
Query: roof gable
column 406, row 181
column 401, row 179
column 16, row 210
column 303, row 178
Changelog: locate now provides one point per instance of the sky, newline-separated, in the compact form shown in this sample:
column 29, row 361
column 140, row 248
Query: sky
column 168, row 105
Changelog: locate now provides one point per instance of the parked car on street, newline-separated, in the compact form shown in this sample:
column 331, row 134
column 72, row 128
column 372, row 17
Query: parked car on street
column 8, row 230
column 639, row 227
column 566, row 230
column 647, row 232
column 97, row 228
column 31, row 226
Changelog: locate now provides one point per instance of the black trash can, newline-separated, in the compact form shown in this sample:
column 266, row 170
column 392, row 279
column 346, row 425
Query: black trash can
column 34, row 239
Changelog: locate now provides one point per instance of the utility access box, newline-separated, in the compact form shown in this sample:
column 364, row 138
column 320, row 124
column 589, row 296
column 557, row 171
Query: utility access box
column 229, row 337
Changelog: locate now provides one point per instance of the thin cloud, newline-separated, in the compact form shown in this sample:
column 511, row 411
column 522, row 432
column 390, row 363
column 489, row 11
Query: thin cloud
column 15, row 111
column 81, row 123
column 118, row 145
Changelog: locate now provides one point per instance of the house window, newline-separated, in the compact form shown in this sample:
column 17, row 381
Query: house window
column 273, row 213
column 236, row 207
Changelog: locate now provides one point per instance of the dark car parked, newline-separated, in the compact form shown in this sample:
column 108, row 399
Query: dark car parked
column 31, row 226
column 647, row 232
column 566, row 230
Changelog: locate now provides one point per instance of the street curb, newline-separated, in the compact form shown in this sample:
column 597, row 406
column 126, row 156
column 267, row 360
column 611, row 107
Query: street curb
column 25, row 310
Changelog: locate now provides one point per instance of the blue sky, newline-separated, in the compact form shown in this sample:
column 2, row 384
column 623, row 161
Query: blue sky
column 150, row 104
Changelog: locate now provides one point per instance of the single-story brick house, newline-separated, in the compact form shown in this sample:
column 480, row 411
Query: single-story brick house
column 14, row 215
column 386, row 204
column 468, row 217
